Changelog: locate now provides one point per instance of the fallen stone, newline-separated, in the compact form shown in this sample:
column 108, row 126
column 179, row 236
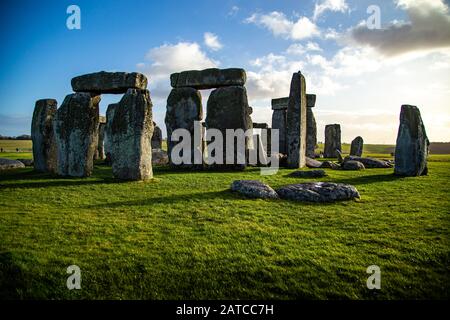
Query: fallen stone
column 159, row 157
column 296, row 122
column 318, row 192
column 370, row 162
column 76, row 132
column 352, row 165
column 254, row 189
column 330, row 165
column 311, row 163
column 26, row 162
column 308, row 174
column 42, row 135
column 411, row 150
column 332, row 140
column 356, row 148
column 208, row 78
column 131, row 131
column 8, row 164
column 109, row 82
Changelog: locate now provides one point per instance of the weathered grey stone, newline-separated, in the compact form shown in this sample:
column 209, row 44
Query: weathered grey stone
column 296, row 122
column 26, row 162
column 311, row 133
column 100, row 152
column 156, row 137
column 332, row 140
column 356, row 148
column 109, row 82
column 311, row 163
column 159, row 157
column 411, row 150
column 279, row 122
column 330, row 165
column 42, row 135
column 318, row 192
column 8, row 164
column 308, row 174
column 266, row 139
column 76, row 132
column 227, row 108
column 257, row 125
column 184, row 106
column 353, row 165
column 254, row 189
column 132, row 129
column 370, row 162
column 310, row 100
column 280, row 103
column 107, row 137
column 208, row 78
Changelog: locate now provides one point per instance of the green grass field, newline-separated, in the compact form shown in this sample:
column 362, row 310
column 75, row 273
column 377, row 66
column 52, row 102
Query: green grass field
column 185, row 235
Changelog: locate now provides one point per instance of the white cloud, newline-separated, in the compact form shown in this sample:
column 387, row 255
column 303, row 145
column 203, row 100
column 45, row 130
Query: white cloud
column 233, row 11
column 277, row 23
column 212, row 41
column 428, row 28
column 329, row 5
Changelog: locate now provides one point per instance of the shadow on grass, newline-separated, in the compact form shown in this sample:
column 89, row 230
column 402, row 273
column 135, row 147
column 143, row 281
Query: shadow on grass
column 390, row 177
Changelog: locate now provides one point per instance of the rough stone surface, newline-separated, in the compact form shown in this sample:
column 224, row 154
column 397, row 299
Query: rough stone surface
column 330, row 165
column 296, row 122
column 209, row 78
column 318, row 192
column 311, row 133
column 132, row 129
column 109, row 82
column 227, row 108
column 156, row 137
column 353, row 165
column 184, row 106
column 370, row 162
column 7, row 164
column 332, row 140
column 311, row 163
column 100, row 153
column 42, row 135
column 308, row 174
column 279, row 122
column 108, row 126
column 76, row 132
column 411, row 150
column 310, row 100
column 253, row 189
column 159, row 157
column 26, row 162
column 356, row 148
column 280, row 103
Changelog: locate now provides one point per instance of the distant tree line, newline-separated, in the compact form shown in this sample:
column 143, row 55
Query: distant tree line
column 21, row 137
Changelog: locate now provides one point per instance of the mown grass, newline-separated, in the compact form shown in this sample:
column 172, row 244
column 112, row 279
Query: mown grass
column 185, row 235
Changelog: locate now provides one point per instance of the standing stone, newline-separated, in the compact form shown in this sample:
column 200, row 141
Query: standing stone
column 184, row 106
column 44, row 143
column 132, row 129
column 156, row 137
column 332, row 140
column 228, row 108
column 356, row 148
column 296, row 122
column 311, row 133
column 411, row 150
column 279, row 122
column 100, row 152
column 76, row 132
column 108, row 126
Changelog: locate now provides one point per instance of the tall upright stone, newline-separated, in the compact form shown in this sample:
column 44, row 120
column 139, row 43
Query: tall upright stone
column 76, row 132
column 332, row 140
column 42, row 135
column 356, row 148
column 131, row 131
column 296, row 122
column 411, row 149
column 184, row 106
column 279, row 120
column 228, row 108
column 156, row 137
column 108, row 134
column 311, row 127
column 100, row 152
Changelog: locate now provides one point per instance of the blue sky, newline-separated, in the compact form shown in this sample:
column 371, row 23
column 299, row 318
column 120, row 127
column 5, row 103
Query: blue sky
column 360, row 83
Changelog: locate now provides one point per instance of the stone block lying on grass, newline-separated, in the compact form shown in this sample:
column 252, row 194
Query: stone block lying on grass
column 318, row 192
column 7, row 164
column 253, row 189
